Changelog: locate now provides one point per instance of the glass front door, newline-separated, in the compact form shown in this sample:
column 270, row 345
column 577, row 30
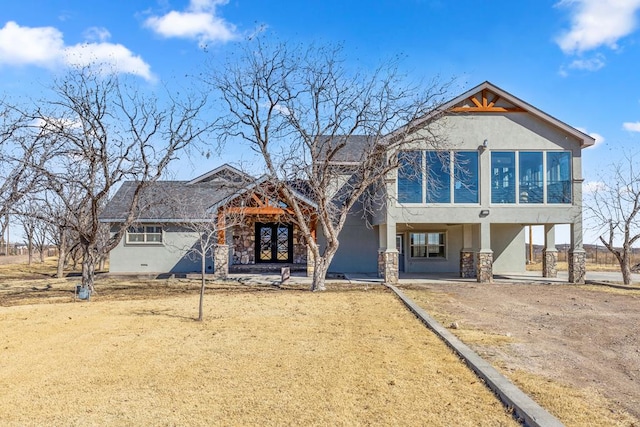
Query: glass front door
column 274, row 242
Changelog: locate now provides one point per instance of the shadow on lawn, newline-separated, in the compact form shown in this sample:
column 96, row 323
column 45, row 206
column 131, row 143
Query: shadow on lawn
column 163, row 313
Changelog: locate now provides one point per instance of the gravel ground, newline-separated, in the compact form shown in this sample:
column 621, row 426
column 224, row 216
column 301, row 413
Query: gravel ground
column 585, row 336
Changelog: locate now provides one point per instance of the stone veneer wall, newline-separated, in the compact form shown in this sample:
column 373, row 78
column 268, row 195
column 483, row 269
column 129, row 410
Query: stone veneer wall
column 549, row 263
column 221, row 261
column 244, row 243
column 485, row 267
column 388, row 266
column 467, row 265
column 243, row 246
column 577, row 266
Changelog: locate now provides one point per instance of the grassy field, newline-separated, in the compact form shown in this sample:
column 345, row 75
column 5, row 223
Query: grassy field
column 264, row 356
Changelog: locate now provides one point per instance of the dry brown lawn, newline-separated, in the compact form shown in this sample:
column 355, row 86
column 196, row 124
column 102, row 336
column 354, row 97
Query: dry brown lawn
column 264, row 356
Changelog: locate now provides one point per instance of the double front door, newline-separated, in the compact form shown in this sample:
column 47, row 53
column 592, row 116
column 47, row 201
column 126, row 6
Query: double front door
column 274, row 242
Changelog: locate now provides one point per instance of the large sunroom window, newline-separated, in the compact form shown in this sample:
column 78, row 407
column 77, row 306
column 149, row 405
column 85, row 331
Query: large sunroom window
column 427, row 177
column 533, row 186
column 531, row 177
column 466, row 177
column 503, row 177
column 559, row 177
column 439, row 177
column 410, row 177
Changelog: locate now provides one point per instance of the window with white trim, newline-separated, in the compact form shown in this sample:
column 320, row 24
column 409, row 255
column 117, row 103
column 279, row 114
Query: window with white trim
column 428, row 245
column 141, row 234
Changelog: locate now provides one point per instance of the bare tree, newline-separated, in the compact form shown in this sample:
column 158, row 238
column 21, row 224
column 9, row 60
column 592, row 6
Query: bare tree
column 324, row 129
column 22, row 155
column 209, row 225
column 612, row 207
column 103, row 131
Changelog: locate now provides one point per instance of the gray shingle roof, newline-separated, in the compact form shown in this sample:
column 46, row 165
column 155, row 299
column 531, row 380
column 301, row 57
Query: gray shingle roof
column 168, row 201
column 353, row 150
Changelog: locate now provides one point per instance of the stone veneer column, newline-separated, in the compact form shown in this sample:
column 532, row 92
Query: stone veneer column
column 485, row 267
column 388, row 266
column 577, row 266
column 221, row 261
column 467, row 264
column 549, row 263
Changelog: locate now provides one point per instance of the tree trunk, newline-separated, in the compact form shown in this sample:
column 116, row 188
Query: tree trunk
column 202, row 285
column 62, row 255
column 625, row 268
column 319, row 275
column 321, row 267
column 42, row 255
column 88, row 270
column 30, row 251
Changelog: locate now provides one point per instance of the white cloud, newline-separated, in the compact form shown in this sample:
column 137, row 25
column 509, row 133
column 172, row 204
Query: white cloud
column 631, row 126
column 596, row 23
column 599, row 138
column 108, row 57
column 25, row 46
column 591, row 64
column 99, row 34
column 198, row 22
column 44, row 47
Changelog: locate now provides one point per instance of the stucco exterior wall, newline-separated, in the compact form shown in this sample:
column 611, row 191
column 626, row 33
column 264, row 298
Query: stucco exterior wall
column 358, row 251
column 169, row 257
column 508, row 245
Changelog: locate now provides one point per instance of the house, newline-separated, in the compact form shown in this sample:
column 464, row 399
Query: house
column 462, row 210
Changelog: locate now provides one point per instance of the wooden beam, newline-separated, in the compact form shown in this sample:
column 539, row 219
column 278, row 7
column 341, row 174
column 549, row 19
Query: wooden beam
column 222, row 235
column 475, row 101
column 487, row 110
column 493, row 101
column 312, row 226
column 258, row 200
column 266, row 210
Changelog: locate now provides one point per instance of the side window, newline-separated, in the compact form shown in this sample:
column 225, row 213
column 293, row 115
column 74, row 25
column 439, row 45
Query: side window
column 150, row 234
column 428, row 245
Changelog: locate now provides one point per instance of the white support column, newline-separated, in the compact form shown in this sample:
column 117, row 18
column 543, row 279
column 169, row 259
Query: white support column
column 549, row 253
column 467, row 264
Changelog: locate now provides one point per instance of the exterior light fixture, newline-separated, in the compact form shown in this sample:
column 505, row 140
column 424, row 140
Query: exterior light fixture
column 484, row 213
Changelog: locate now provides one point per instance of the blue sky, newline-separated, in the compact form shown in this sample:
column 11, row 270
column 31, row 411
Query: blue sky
column 577, row 60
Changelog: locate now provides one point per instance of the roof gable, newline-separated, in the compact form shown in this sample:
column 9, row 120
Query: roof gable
column 224, row 173
column 488, row 98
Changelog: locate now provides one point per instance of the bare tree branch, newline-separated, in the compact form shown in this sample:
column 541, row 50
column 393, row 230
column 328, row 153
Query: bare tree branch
column 314, row 120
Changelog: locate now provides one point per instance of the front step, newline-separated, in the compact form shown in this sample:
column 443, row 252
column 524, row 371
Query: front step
column 266, row 268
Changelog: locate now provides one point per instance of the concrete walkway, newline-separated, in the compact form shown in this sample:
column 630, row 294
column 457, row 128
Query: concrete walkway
column 417, row 278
